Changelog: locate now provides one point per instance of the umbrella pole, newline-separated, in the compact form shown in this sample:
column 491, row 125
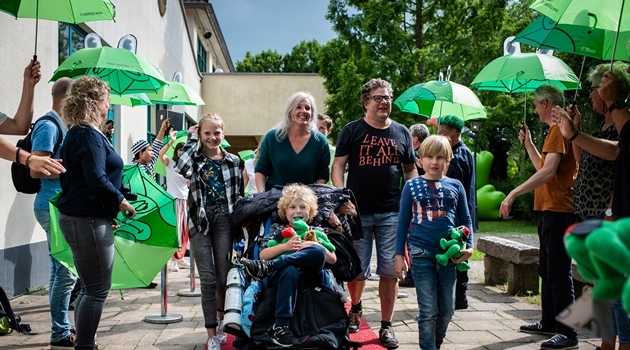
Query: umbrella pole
column 36, row 28
column 579, row 79
column 163, row 317
column 193, row 291
column 612, row 58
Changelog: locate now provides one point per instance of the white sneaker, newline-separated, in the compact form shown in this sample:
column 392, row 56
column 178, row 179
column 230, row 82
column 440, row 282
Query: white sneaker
column 220, row 333
column 172, row 266
column 213, row 344
column 183, row 264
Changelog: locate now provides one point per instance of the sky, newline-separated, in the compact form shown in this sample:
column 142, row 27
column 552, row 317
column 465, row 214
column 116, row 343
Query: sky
column 259, row 25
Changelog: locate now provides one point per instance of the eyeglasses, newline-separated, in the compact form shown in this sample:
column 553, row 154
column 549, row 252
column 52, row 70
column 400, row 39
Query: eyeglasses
column 592, row 88
column 380, row 98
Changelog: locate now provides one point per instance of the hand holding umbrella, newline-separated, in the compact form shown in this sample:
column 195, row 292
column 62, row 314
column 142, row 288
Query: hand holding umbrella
column 33, row 73
column 524, row 135
column 127, row 209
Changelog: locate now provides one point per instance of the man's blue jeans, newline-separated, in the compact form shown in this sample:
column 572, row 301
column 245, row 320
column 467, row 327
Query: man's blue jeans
column 382, row 227
column 60, row 286
column 435, row 289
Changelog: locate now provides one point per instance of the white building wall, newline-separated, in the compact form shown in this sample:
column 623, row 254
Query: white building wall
column 164, row 41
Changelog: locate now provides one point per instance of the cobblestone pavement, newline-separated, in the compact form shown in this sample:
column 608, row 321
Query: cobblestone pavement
column 491, row 321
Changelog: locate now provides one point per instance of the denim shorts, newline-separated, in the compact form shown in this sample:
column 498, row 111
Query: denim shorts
column 381, row 227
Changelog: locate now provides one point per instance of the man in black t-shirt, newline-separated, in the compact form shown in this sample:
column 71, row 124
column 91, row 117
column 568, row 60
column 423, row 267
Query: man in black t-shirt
column 379, row 153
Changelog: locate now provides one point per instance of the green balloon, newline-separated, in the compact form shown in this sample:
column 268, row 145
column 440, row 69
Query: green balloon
column 488, row 202
column 484, row 163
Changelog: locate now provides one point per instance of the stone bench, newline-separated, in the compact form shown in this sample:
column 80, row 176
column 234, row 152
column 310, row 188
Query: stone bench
column 510, row 262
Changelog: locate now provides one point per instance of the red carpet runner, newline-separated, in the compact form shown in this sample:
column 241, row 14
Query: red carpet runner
column 365, row 335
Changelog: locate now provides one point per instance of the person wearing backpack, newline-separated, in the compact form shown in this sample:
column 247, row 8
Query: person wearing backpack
column 47, row 137
column 19, row 125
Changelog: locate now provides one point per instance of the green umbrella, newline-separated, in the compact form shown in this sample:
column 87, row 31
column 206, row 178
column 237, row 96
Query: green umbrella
column 182, row 136
column 125, row 71
column 439, row 97
column 142, row 245
column 176, row 94
column 584, row 27
column 524, row 72
column 131, row 100
column 67, row 11
column 247, row 154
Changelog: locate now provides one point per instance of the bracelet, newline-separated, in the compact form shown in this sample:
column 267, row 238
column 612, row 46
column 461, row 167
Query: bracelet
column 17, row 155
column 27, row 159
column 574, row 135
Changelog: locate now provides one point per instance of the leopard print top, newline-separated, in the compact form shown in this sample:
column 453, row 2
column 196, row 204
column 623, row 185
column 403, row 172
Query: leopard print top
column 593, row 186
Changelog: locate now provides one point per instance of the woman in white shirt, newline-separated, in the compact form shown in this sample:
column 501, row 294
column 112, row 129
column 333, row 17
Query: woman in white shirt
column 177, row 186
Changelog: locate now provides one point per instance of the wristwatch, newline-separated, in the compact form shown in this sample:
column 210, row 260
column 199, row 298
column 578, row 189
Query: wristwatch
column 617, row 104
column 608, row 212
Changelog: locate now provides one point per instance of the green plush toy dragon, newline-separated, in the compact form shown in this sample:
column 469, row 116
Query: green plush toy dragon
column 453, row 246
column 602, row 251
column 300, row 228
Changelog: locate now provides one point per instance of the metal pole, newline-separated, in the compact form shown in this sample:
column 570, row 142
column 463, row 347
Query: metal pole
column 193, row 291
column 163, row 317
column 476, row 221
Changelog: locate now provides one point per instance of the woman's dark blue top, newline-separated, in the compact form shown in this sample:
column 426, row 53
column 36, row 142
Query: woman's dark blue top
column 91, row 184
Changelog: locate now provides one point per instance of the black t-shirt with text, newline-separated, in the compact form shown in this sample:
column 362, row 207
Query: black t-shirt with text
column 375, row 158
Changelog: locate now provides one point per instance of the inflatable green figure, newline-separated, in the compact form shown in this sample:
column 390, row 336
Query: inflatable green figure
column 453, row 246
column 602, row 252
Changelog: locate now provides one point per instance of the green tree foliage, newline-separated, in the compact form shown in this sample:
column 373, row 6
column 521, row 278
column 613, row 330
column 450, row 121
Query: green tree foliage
column 264, row 62
column 303, row 58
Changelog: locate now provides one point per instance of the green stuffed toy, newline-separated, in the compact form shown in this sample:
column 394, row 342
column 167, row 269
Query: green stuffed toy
column 300, row 228
column 602, row 251
column 453, row 246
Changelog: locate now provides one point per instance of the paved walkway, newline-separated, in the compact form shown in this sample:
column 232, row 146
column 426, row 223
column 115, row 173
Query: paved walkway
column 491, row 322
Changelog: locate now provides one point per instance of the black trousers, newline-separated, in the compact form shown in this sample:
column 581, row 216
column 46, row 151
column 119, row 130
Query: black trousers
column 554, row 268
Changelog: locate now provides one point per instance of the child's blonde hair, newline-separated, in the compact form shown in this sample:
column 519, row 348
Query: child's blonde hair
column 435, row 145
column 213, row 117
column 292, row 192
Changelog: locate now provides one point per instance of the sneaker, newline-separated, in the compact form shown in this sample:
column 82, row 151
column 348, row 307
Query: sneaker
column 461, row 305
column 172, row 266
column 65, row 343
column 560, row 341
column 355, row 321
column 388, row 338
column 283, row 336
column 183, row 264
column 220, row 333
column 438, row 343
column 213, row 344
column 406, row 282
column 258, row 269
column 537, row 328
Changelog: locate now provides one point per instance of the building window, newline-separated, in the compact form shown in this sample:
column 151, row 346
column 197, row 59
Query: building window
column 70, row 40
column 202, row 57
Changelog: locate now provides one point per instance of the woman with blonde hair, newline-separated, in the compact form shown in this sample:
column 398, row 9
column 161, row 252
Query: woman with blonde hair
column 89, row 200
column 294, row 151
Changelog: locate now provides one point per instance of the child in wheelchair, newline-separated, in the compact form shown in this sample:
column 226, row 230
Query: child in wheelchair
column 284, row 254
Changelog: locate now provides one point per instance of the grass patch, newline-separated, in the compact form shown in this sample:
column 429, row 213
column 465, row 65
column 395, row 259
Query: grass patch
column 508, row 226
column 477, row 255
column 30, row 291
